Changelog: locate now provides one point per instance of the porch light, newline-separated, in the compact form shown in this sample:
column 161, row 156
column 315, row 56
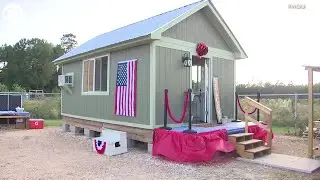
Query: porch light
column 187, row 62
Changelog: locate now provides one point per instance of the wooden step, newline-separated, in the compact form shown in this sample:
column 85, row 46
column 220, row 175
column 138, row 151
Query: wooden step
column 255, row 152
column 249, row 144
column 252, row 141
column 258, row 149
column 241, row 135
column 235, row 138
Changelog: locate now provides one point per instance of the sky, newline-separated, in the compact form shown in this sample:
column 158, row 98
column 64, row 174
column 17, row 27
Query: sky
column 277, row 40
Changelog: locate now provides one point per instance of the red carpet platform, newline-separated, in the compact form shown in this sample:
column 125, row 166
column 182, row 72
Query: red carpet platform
column 181, row 147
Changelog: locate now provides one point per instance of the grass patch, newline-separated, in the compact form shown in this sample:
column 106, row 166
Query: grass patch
column 53, row 123
column 280, row 129
column 284, row 130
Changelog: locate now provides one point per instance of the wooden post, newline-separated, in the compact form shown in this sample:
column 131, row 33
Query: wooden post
column 310, row 111
column 258, row 110
column 246, row 121
column 269, row 126
column 295, row 113
column 27, row 122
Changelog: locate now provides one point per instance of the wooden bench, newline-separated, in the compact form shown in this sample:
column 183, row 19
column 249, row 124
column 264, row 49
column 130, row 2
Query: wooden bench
column 22, row 122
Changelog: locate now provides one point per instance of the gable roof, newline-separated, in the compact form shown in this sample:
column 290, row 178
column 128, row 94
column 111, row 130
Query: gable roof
column 132, row 31
column 152, row 27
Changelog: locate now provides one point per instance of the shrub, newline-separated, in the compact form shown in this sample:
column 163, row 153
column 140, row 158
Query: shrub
column 3, row 88
column 17, row 88
column 45, row 108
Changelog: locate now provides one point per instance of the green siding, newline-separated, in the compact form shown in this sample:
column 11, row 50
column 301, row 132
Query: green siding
column 224, row 70
column 102, row 106
column 171, row 75
column 196, row 28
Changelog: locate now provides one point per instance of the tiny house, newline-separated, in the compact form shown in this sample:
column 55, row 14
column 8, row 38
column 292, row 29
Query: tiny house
column 117, row 79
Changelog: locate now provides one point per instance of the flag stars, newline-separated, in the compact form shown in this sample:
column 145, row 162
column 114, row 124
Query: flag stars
column 122, row 74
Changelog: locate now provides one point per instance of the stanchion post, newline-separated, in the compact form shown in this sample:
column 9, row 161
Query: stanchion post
column 258, row 111
column 165, row 114
column 189, row 130
column 236, row 106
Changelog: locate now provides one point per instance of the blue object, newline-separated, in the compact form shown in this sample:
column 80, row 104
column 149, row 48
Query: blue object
column 232, row 128
column 7, row 112
column 14, row 113
column 129, row 32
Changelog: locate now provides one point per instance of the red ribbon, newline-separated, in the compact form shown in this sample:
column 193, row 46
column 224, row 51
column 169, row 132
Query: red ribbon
column 202, row 49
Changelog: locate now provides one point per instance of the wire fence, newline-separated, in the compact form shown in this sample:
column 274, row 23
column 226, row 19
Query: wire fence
column 289, row 110
column 282, row 96
column 29, row 96
column 39, row 104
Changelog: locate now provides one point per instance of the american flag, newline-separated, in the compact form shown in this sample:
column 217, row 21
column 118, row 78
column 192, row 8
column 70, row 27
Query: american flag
column 125, row 96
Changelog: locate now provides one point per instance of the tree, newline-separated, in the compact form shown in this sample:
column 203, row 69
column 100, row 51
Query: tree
column 68, row 41
column 28, row 64
column 53, row 81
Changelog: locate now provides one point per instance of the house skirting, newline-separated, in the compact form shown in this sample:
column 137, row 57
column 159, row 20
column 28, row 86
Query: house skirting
column 138, row 134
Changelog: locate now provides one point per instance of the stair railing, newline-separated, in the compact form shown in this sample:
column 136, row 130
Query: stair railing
column 267, row 115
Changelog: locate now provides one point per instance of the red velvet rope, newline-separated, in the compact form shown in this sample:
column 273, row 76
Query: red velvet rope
column 238, row 101
column 184, row 108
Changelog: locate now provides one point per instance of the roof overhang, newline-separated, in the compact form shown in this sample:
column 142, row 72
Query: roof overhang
column 115, row 47
column 210, row 10
column 216, row 17
column 313, row 68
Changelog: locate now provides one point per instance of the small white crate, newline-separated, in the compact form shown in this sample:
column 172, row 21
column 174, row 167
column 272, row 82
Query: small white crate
column 110, row 143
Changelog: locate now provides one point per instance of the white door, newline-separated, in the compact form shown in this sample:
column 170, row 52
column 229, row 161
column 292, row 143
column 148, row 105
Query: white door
column 200, row 73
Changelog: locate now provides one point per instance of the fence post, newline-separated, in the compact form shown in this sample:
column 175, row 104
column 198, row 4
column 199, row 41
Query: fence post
column 8, row 107
column 189, row 130
column 295, row 106
column 258, row 111
column 8, row 103
column 295, row 112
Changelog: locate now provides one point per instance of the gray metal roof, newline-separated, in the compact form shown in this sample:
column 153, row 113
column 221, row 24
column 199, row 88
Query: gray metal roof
column 129, row 32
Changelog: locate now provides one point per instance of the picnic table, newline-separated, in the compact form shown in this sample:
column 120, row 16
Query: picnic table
column 21, row 119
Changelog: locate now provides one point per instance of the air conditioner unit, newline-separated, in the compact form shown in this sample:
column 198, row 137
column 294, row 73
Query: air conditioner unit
column 61, row 80
column 65, row 80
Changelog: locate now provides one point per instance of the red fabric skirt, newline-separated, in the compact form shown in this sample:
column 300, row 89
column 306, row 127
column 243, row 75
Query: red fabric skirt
column 259, row 133
column 200, row 147
column 182, row 147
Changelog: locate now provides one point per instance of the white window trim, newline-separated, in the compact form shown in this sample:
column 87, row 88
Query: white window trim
column 94, row 66
column 71, row 74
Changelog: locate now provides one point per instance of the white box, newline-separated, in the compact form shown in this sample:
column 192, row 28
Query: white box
column 110, row 143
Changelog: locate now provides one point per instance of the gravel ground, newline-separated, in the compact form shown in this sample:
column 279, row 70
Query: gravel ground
column 52, row 154
column 291, row 145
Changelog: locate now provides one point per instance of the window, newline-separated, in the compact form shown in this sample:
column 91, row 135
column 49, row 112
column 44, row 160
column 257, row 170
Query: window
column 96, row 75
column 68, row 78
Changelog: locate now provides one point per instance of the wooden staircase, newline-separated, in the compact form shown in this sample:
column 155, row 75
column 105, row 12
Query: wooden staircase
column 247, row 147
